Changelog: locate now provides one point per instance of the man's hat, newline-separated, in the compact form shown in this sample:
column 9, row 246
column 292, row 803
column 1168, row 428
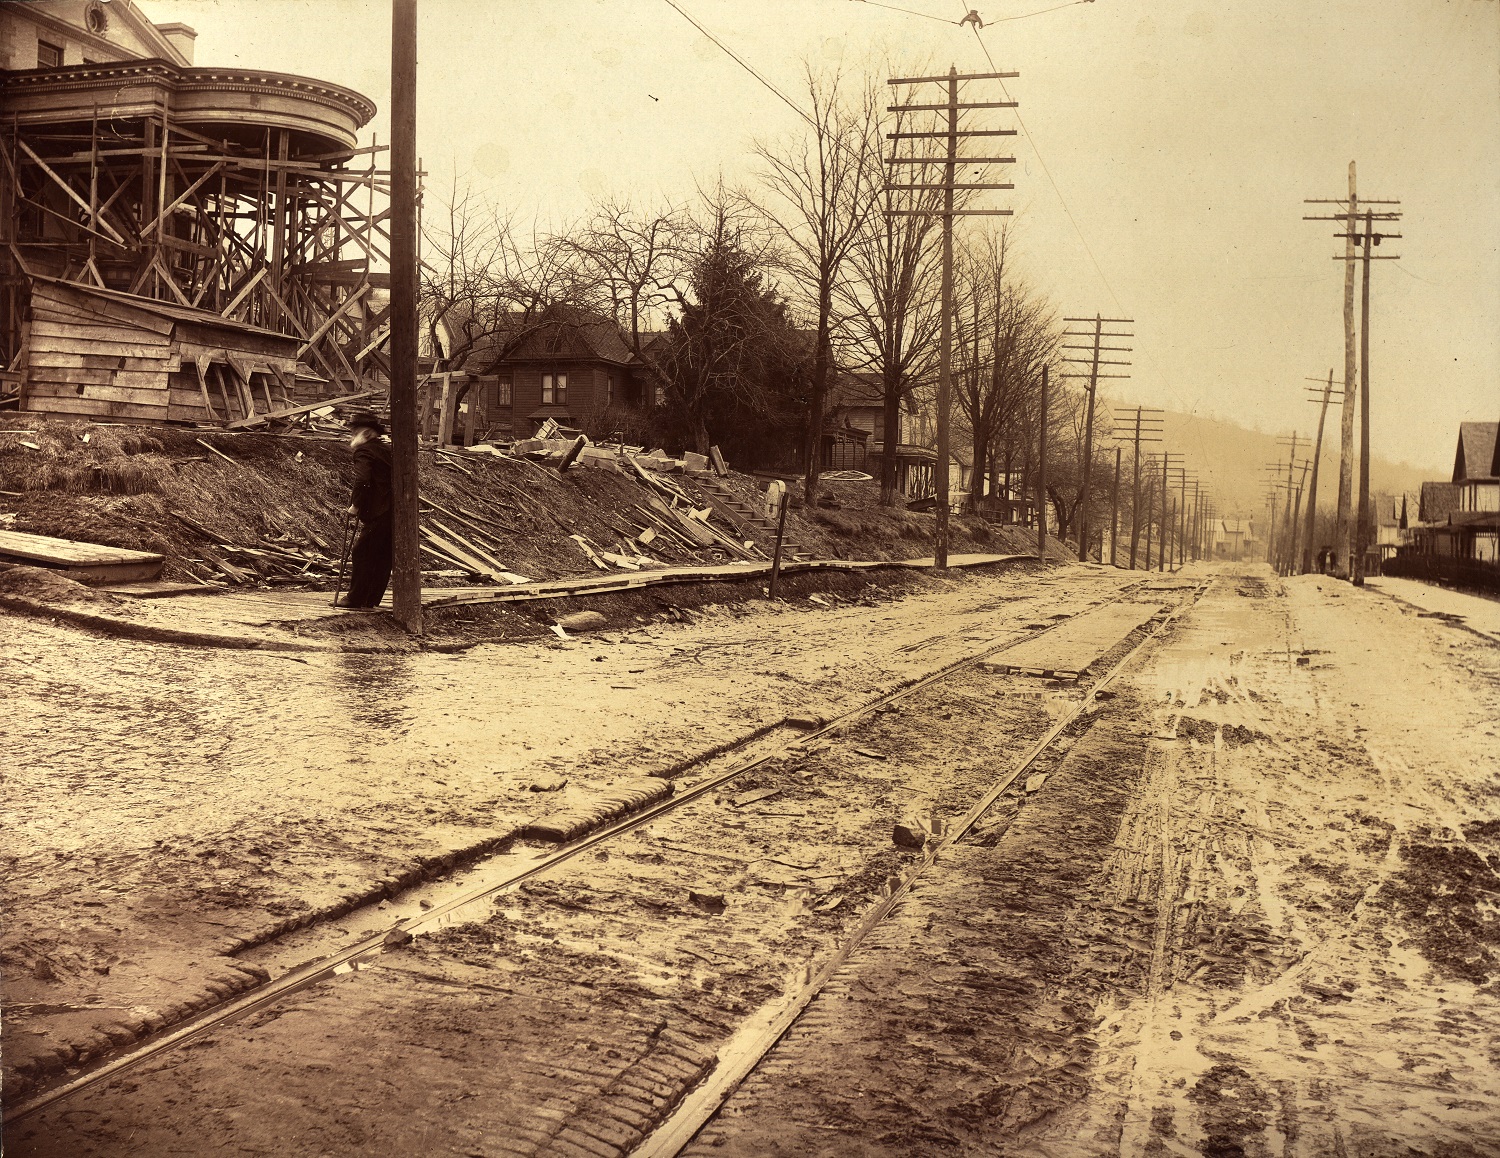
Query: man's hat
column 366, row 418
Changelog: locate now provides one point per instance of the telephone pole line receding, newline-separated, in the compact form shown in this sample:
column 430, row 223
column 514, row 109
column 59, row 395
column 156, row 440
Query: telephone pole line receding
column 1347, row 530
column 1093, row 362
column 1143, row 426
column 1312, row 490
column 949, row 160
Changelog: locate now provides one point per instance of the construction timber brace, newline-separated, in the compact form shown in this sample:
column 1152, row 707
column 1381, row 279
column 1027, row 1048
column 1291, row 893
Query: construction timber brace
column 240, row 227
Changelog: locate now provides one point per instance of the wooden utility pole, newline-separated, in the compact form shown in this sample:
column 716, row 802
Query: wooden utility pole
column 1362, row 523
column 1041, row 476
column 1150, row 504
column 1344, row 531
column 1285, row 553
column 1296, row 526
column 950, row 160
column 1143, row 429
column 1182, row 515
column 1271, row 526
column 1093, row 362
column 1114, row 508
column 406, row 571
column 1312, row 489
column 1166, row 526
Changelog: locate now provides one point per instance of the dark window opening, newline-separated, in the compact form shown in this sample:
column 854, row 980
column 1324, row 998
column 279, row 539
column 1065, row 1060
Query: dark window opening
column 554, row 389
column 48, row 55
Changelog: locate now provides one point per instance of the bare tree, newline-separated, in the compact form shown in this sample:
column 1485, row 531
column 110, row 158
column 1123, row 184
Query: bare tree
column 487, row 284
column 637, row 256
column 889, row 300
column 820, row 190
column 1004, row 333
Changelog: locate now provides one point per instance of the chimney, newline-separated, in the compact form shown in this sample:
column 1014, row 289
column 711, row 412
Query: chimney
column 181, row 37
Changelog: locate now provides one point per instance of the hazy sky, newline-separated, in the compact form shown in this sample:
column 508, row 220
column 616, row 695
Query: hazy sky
column 1182, row 137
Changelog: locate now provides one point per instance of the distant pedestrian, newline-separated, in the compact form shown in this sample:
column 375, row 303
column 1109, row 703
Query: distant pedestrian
column 370, row 562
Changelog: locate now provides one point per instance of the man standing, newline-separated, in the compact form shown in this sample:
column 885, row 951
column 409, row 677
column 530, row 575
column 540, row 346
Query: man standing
column 370, row 563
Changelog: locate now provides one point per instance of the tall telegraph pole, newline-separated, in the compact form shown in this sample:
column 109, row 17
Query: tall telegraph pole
column 950, row 160
column 1350, row 554
column 1364, row 530
column 1091, row 350
column 406, row 570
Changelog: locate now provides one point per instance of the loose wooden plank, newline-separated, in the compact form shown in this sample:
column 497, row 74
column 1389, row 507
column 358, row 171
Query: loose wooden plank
column 160, row 589
column 47, row 549
column 476, row 551
column 89, row 562
column 292, row 411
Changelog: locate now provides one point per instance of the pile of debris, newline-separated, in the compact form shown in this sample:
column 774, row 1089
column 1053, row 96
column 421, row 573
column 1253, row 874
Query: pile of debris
column 669, row 527
column 283, row 559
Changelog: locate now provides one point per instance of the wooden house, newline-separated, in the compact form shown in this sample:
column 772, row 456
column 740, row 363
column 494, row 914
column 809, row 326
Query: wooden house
column 95, row 353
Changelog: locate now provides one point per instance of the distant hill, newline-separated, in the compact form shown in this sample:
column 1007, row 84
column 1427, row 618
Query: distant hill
column 1228, row 458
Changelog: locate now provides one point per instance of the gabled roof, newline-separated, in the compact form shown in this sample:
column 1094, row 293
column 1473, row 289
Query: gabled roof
column 1475, row 459
column 558, row 332
column 1439, row 499
column 1394, row 510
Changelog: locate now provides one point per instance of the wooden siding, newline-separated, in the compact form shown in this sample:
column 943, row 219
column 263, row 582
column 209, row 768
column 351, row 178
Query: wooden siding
column 93, row 357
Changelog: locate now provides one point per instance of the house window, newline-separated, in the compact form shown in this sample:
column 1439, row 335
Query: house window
column 554, row 389
column 502, row 392
column 609, row 390
column 48, row 55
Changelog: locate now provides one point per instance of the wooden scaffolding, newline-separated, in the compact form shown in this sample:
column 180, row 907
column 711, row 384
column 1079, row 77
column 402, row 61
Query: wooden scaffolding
column 241, row 194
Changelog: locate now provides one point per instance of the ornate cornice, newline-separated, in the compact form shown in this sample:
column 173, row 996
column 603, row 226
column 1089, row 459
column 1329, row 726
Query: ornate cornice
column 84, row 77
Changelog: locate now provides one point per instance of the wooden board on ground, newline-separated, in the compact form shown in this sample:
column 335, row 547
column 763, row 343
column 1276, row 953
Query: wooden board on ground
column 160, row 589
column 1070, row 648
column 87, row 562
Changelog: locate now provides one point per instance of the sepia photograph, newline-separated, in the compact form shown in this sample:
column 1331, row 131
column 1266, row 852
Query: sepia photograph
column 750, row 578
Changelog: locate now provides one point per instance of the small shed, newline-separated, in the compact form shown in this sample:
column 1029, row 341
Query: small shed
column 98, row 353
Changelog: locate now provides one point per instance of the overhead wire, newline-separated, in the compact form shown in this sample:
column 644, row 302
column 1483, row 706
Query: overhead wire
column 913, row 11
column 791, row 104
column 729, row 52
column 1038, row 12
column 1063, row 201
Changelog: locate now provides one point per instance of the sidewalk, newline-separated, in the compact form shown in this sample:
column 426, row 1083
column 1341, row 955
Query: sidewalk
column 271, row 620
column 1476, row 612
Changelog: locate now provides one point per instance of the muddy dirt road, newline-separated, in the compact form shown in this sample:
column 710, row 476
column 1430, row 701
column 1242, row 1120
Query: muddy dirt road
column 1241, row 903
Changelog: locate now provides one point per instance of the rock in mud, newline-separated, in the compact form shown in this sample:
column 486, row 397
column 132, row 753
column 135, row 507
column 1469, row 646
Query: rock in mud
column 909, row 834
column 582, row 621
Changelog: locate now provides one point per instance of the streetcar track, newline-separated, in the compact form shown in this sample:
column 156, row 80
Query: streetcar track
column 355, row 956
column 758, row 1035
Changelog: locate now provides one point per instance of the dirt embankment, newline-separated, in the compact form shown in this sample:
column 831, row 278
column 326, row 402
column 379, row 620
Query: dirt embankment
column 268, row 510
